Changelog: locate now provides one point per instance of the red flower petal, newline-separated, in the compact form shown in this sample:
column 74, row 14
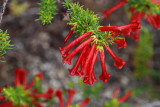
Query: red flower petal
column 66, row 49
column 87, row 60
column 119, row 63
column 104, row 76
column 71, row 93
column 90, row 79
column 20, row 77
column 115, row 92
column 156, row 2
column 82, row 104
column 37, row 104
column 73, row 71
column 136, row 35
column 122, row 99
column 69, row 57
column 58, row 94
column 107, row 13
column 68, row 36
column 121, row 43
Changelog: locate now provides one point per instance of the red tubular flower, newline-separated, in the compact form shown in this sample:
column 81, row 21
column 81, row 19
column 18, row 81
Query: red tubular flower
column 20, row 77
column 121, row 43
column 71, row 93
column 127, row 95
column 74, row 70
column 107, row 13
column 110, row 28
column 37, row 104
column 59, row 95
column 125, row 29
column 20, row 82
column 119, row 63
column 7, row 104
column 152, row 20
column 84, row 70
column 136, row 35
column 39, row 75
column 90, row 78
column 136, row 18
column 104, row 76
column 115, row 92
column 156, row 2
column 66, row 49
column 68, row 36
column 69, row 57
column 86, row 101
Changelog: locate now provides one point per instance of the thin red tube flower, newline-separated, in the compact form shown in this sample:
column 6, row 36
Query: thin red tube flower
column 71, row 93
column 119, row 63
column 104, row 76
column 121, row 43
column 66, row 49
column 68, row 36
column 90, row 79
column 115, row 92
column 84, row 70
column 107, row 13
column 69, row 57
column 86, row 101
column 31, row 93
column 59, row 94
column 123, row 98
column 74, row 70
column 156, row 2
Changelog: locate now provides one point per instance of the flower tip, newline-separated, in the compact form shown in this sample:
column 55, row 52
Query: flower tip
column 105, row 77
column 71, row 72
column 58, row 93
column 88, row 81
column 39, row 75
column 105, row 13
column 120, row 63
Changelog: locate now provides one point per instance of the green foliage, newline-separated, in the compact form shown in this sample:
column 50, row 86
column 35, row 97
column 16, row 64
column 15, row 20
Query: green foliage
column 47, row 11
column 73, row 105
column 38, row 85
column 143, row 55
column 88, row 91
column 141, row 90
column 16, row 8
column 4, row 44
column 18, row 95
column 114, row 103
column 84, row 21
column 145, row 6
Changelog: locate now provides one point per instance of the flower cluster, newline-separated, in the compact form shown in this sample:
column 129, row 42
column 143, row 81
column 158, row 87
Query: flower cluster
column 28, row 95
column 22, row 94
column 116, row 102
column 147, row 9
column 92, row 40
column 71, row 93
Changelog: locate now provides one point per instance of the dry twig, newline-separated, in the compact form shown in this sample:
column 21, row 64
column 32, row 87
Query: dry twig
column 3, row 10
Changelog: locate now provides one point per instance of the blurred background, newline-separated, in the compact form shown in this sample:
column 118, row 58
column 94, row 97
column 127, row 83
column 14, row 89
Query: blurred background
column 36, row 49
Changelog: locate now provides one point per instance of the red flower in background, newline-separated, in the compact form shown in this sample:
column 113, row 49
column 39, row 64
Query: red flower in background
column 136, row 16
column 107, row 13
column 20, row 81
column 71, row 93
column 123, row 98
